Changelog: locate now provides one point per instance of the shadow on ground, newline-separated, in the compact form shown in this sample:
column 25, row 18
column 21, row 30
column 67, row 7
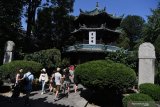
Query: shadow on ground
column 40, row 102
column 4, row 89
column 102, row 99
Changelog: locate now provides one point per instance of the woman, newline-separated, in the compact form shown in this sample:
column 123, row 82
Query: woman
column 43, row 79
column 67, row 80
column 16, row 90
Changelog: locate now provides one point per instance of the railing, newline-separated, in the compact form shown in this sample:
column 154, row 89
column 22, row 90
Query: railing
column 89, row 47
column 87, row 41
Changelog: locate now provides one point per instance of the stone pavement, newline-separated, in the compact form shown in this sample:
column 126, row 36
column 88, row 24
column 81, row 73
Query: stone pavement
column 47, row 100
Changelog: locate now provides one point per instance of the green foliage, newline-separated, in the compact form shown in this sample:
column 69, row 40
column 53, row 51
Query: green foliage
column 123, row 40
column 139, row 98
column 103, row 74
column 65, row 62
column 151, row 30
column 1, row 82
column 48, row 58
column 157, row 45
column 133, row 25
column 157, row 76
column 12, row 67
column 54, row 24
column 129, row 58
column 29, row 44
column 10, row 22
column 152, row 90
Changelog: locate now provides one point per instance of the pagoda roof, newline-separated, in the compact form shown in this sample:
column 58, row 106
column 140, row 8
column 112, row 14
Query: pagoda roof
column 98, row 16
column 93, row 12
column 96, row 12
column 95, row 29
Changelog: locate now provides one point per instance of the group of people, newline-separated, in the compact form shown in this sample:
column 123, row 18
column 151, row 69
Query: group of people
column 60, row 80
column 24, row 81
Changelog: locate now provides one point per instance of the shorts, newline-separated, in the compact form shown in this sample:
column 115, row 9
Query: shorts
column 67, row 83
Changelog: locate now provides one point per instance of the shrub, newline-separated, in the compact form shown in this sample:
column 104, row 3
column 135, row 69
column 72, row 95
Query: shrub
column 157, row 74
column 129, row 58
column 150, row 89
column 11, row 68
column 48, row 58
column 138, row 99
column 1, row 82
column 65, row 62
column 102, row 74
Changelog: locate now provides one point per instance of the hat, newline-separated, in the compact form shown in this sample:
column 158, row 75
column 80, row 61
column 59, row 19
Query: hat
column 43, row 70
column 21, row 70
column 58, row 69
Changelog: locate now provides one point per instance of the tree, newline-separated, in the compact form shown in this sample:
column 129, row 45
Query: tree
column 30, row 14
column 123, row 40
column 44, row 29
column 151, row 30
column 133, row 25
column 54, row 24
column 10, row 22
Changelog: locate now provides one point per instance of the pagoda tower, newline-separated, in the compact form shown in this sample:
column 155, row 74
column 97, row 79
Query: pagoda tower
column 95, row 32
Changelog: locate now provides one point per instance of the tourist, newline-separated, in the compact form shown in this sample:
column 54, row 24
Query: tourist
column 18, row 77
column 43, row 78
column 16, row 87
column 67, row 81
column 71, row 70
column 57, row 77
column 28, row 78
column 52, row 82
column 76, row 82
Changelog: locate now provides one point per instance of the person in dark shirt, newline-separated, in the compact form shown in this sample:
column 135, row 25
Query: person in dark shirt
column 67, row 81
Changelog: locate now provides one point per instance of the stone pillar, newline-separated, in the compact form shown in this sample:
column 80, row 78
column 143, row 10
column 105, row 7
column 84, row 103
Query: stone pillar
column 146, row 55
column 8, row 52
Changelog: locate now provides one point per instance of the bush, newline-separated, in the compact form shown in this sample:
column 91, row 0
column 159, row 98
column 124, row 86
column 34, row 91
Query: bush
column 128, row 58
column 1, row 82
column 65, row 62
column 102, row 74
column 138, row 99
column 11, row 68
column 150, row 89
column 157, row 74
column 48, row 58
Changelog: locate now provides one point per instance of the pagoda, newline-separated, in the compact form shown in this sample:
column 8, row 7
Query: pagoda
column 96, row 32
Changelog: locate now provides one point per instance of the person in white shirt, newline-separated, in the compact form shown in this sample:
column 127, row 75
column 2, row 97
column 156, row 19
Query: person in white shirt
column 57, row 77
column 43, row 78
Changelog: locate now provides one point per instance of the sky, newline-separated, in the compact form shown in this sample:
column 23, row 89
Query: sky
column 116, row 7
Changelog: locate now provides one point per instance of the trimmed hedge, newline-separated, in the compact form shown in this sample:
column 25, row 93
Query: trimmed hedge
column 12, row 67
column 48, row 58
column 102, row 74
column 150, row 89
column 138, row 99
column 1, row 82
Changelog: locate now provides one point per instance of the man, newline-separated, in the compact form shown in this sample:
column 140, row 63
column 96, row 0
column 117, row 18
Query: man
column 28, row 79
column 57, row 77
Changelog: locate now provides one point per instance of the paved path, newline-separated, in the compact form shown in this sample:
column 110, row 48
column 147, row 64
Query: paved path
column 47, row 100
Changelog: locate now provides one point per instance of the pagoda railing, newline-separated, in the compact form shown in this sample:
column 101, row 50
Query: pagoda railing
column 89, row 47
column 87, row 41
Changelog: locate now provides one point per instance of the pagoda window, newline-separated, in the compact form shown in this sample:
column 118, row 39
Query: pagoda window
column 85, row 41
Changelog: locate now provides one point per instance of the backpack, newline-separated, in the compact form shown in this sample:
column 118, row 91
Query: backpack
column 26, row 80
